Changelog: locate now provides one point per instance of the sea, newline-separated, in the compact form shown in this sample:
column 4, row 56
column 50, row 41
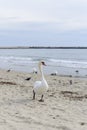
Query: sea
column 71, row 62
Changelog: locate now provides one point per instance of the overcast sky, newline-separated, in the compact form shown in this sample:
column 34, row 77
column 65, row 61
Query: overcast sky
column 43, row 22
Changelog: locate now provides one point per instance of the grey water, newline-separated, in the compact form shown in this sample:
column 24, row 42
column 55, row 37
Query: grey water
column 63, row 61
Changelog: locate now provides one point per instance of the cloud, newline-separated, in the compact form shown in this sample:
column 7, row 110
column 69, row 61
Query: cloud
column 61, row 15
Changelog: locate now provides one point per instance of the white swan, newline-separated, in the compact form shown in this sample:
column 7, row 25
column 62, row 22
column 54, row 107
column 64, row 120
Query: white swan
column 40, row 87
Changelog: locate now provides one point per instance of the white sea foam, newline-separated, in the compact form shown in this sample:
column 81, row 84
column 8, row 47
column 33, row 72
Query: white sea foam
column 51, row 62
column 68, row 63
column 13, row 59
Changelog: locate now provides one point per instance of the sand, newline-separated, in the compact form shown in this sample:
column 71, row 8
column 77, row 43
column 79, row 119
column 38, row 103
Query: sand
column 64, row 106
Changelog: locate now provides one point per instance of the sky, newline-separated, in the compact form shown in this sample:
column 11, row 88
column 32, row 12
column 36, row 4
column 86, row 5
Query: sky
column 43, row 22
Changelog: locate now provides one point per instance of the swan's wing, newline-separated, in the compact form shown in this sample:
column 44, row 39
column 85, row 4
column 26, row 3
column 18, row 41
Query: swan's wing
column 37, row 84
column 39, row 87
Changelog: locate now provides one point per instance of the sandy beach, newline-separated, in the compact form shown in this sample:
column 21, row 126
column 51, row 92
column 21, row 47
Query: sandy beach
column 64, row 106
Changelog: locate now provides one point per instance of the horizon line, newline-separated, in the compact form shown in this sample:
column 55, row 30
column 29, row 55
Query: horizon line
column 43, row 47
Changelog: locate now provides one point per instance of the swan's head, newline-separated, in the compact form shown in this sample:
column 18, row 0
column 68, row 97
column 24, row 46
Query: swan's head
column 42, row 63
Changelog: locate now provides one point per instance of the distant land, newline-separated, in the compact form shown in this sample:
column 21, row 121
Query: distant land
column 41, row 47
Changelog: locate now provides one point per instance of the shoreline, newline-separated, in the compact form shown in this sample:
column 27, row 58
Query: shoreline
column 48, row 74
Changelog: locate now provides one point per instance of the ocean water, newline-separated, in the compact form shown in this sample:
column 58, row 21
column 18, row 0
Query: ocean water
column 63, row 61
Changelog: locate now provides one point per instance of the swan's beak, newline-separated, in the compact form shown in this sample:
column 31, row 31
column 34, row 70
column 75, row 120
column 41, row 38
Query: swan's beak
column 44, row 64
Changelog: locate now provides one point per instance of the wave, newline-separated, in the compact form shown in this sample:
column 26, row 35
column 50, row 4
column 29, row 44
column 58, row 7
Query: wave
column 13, row 59
column 68, row 63
column 23, row 61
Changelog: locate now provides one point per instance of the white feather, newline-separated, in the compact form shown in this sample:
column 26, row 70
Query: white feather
column 40, row 87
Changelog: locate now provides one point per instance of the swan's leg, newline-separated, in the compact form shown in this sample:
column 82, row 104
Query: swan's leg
column 33, row 95
column 41, row 100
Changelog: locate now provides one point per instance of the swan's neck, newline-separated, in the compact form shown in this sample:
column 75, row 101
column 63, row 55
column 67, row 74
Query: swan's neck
column 41, row 71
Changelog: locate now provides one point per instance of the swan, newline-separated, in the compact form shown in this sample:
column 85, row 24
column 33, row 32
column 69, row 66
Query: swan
column 40, row 87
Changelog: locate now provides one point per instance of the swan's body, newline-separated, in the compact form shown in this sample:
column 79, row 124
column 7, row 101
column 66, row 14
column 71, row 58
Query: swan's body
column 40, row 87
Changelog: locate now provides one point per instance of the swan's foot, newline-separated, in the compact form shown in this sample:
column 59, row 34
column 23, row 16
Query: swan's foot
column 41, row 100
column 33, row 95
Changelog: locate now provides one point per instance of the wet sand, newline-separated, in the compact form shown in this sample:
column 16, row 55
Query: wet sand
column 64, row 106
